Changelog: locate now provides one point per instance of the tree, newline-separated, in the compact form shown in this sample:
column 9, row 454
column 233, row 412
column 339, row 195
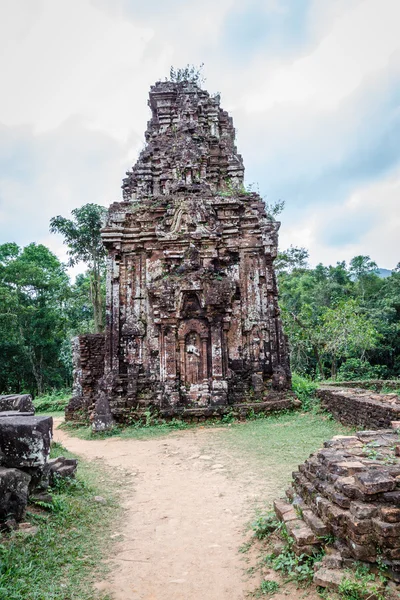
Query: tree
column 33, row 292
column 82, row 235
column 79, row 306
column 309, row 299
column 347, row 332
column 290, row 259
column 361, row 266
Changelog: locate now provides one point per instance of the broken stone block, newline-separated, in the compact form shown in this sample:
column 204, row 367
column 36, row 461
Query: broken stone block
column 16, row 413
column 332, row 559
column 328, row 578
column 315, row 523
column 392, row 569
column 17, row 402
column 27, row 529
column 40, row 476
column 391, row 514
column 365, row 552
column 392, row 497
column 359, row 527
column 339, row 499
column 13, row 494
column 41, row 497
column 290, row 493
column 25, row 441
column 284, row 511
column 347, row 468
column 102, row 418
column 307, row 549
column 374, row 481
column 363, row 511
column 62, row 467
column 384, row 529
column 301, row 533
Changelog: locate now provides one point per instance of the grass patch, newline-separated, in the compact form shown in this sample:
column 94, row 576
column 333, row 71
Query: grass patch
column 264, row 525
column 64, row 558
column 137, row 431
column 52, row 403
column 277, row 444
column 268, row 587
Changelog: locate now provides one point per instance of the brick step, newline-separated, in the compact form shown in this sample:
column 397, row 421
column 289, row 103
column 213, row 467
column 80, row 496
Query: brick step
column 305, row 540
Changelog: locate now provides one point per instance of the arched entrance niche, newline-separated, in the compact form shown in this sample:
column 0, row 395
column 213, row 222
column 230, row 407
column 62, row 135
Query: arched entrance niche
column 193, row 336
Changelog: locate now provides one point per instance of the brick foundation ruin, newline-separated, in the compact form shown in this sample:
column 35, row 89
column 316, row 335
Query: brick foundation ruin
column 193, row 322
column 350, row 489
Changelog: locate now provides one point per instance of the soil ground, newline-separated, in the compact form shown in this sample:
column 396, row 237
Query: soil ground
column 187, row 498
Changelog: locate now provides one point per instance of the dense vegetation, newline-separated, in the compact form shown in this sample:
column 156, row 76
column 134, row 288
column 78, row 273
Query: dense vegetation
column 341, row 320
column 40, row 309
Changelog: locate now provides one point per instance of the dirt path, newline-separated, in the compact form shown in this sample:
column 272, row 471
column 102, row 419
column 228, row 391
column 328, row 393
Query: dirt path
column 185, row 517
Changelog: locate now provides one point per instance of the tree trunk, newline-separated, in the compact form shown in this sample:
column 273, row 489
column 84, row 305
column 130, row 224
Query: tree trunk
column 95, row 293
column 319, row 362
column 333, row 368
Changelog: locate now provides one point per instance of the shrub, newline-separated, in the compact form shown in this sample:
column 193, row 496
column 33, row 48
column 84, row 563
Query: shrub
column 355, row 368
column 305, row 390
column 52, row 402
column 264, row 525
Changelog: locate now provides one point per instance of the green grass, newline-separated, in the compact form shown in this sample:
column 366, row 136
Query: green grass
column 53, row 403
column 276, row 445
column 63, row 559
column 138, row 431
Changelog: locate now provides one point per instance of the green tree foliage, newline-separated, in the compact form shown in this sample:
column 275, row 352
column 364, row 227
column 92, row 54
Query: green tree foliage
column 82, row 236
column 34, row 289
column 80, row 308
column 340, row 319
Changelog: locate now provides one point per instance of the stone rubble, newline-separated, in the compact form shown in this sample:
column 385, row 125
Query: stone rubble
column 350, row 489
column 25, row 469
column 17, row 402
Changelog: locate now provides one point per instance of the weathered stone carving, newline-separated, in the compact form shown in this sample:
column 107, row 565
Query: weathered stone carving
column 192, row 312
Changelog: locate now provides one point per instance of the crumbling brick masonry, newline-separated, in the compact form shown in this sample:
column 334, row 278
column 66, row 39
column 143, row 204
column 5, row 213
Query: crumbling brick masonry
column 192, row 311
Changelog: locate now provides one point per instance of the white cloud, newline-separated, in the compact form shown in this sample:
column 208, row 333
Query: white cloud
column 360, row 43
column 377, row 201
column 75, row 79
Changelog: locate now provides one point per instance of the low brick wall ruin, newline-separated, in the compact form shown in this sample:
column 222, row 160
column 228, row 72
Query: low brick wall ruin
column 368, row 384
column 88, row 357
column 350, row 489
column 360, row 408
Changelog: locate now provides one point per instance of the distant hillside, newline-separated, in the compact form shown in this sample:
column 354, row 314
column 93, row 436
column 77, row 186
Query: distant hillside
column 383, row 273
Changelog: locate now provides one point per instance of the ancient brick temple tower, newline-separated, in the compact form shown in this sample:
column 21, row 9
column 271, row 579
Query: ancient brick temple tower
column 192, row 313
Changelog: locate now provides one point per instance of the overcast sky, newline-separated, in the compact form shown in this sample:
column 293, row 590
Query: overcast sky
column 313, row 87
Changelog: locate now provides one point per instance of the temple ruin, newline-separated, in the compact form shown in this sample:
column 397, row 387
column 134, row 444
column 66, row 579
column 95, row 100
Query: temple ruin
column 192, row 303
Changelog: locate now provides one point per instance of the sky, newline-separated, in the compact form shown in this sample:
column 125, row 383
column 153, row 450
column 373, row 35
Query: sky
column 313, row 87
